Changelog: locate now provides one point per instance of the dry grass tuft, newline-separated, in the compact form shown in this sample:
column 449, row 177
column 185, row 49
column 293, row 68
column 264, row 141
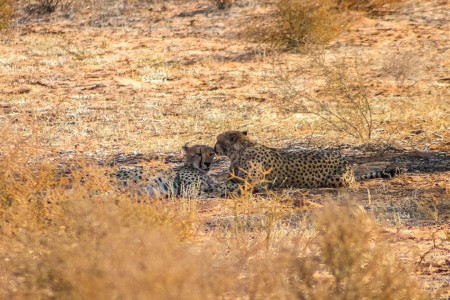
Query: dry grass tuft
column 223, row 4
column 294, row 23
column 358, row 258
column 347, row 259
column 47, row 6
column 109, row 8
column 403, row 66
column 7, row 8
column 99, row 252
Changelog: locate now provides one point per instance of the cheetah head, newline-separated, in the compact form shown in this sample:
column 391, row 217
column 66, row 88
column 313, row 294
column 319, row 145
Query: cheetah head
column 199, row 157
column 231, row 142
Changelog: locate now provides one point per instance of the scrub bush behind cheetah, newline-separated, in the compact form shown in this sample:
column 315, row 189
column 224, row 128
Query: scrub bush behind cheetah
column 309, row 168
column 189, row 180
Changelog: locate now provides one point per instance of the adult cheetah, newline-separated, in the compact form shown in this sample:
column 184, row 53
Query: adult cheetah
column 303, row 169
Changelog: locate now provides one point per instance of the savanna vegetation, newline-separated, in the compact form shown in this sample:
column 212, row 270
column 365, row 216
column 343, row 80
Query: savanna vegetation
column 87, row 86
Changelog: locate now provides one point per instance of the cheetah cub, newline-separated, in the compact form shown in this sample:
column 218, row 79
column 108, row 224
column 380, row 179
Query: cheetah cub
column 189, row 180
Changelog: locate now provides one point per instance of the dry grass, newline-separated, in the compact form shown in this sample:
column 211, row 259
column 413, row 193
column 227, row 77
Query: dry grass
column 342, row 102
column 223, row 4
column 79, row 240
column 7, row 8
column 355, row 255
column 109, row 7
column 404, row 66
column 291, row 24
column 88, row 241
column 47, row 6
column 294, row 23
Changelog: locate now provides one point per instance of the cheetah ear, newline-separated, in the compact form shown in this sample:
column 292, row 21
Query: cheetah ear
column 186, row 147
column 245, row 132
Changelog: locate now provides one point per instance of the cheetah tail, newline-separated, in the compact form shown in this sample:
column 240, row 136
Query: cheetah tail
column 389, row 173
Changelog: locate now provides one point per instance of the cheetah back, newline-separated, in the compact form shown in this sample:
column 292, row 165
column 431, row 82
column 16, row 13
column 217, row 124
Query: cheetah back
column 307, row 168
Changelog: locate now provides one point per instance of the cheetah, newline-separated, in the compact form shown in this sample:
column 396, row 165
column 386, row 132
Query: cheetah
column 189, row 180
column 309, row 168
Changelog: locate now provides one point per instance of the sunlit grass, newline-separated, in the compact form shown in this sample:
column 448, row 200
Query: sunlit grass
column 74, row 96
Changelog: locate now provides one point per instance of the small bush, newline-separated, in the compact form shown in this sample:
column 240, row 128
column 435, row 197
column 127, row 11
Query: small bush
column 346, row 258
column 68, row 7
column 296, row 22
column 342, row 101
column 403, row 66
column 223, row 4
column 48, row 6
column 41, row 7
column 109, row 8
column 7, row 8
column 358, row 258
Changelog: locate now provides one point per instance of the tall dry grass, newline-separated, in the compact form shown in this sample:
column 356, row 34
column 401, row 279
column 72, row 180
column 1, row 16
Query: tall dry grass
column 84, row 239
